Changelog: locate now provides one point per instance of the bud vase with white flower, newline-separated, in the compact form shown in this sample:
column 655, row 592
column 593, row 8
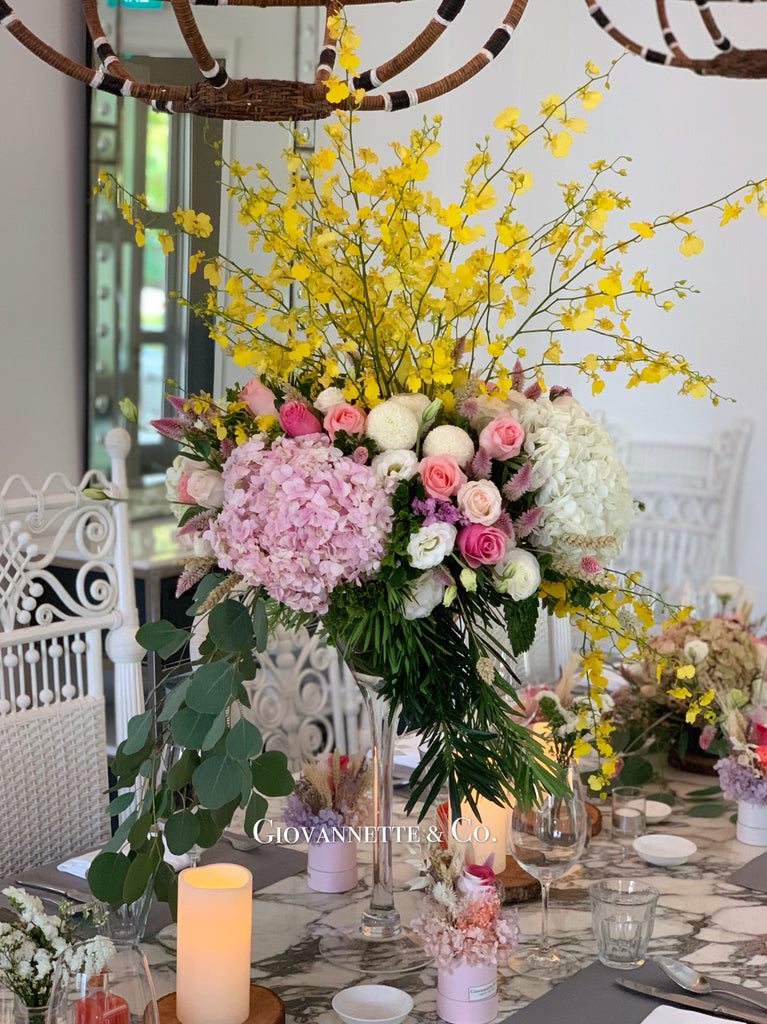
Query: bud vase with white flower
column 743, row 773
column 462, row 926
column 32, row 945
column 331, row 799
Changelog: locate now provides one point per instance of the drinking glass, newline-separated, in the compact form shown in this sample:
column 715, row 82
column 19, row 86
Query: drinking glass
column 628, row 814
column 121, row 993
column 622, row 916
column 546, row 840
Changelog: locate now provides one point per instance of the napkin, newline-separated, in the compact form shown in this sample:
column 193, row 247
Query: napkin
column 79, row 865
column 752, row 875
column 678, row 1015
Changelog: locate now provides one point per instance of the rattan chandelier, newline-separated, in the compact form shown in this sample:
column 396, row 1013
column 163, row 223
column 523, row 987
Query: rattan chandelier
column 250, row 99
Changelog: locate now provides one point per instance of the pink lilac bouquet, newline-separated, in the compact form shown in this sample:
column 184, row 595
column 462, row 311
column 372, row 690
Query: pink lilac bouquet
column 331, row 793
column 462, row 916
column 743, row 774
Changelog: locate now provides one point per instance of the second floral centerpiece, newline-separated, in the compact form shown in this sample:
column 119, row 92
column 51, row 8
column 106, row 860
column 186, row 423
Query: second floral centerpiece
column 329, row 806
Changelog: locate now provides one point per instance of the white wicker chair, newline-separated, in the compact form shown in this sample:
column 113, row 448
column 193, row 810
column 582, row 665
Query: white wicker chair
column 53, row 768
column 691, row 492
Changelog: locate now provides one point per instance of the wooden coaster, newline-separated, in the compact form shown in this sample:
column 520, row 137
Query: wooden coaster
column 595, row 816
column 265, row 1007
column 519, row 886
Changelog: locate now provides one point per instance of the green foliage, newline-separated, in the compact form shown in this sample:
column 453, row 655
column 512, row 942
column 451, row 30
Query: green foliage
column 636, row 771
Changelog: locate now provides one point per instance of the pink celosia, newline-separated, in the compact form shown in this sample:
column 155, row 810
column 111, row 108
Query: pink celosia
column 590, row 565
column 300, row 518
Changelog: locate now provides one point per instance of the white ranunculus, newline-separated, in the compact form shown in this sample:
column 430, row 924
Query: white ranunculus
column 449, row 440
column 726, row 588
column 480, row 501
column 430, row 545
column 517, row 574
column 397, row 464
column 423, row 597
column 391, row 425
column 696, row 651
column 328, row 398
column 206, row 487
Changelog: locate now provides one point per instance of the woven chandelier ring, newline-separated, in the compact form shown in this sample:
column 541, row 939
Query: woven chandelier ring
column 250, row 99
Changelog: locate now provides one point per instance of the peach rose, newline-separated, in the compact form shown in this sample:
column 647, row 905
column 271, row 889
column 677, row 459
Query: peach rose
column 296, row 419
column 480, row 501
column 481, row 545
column 502, row 438
column 441, row 476
column 344, row 417
column 258, row 398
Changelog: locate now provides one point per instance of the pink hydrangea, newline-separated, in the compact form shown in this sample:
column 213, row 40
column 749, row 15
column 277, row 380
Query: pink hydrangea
column 300, row 518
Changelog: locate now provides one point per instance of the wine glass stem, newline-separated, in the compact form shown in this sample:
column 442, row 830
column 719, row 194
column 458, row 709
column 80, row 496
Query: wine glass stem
column 545, row 885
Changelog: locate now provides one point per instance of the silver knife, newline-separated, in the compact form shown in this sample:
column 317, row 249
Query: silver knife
column 694, row 1002
column 68, row 894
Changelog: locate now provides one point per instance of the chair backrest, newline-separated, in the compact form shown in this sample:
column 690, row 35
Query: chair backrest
column 691, row 495
column 52, row 719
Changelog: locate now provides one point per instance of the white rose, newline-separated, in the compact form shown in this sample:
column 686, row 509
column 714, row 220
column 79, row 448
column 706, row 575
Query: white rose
column 517, row 574
column 423, row 597
column 397, row 463
column 726, row 588
column 391, row 425
column 328, row 398
column 480, row 501
column 449, row 440
column 430, row 545
column 416, row 404
column 696, row 651
column 206, row 487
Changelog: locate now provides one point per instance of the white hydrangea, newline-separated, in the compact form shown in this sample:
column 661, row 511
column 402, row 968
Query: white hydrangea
column 397, row 463
column 392, row 425
column 449, row 440
column 581, row 483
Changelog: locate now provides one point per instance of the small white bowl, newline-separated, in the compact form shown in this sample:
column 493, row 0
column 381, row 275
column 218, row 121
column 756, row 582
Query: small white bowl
column 656, row 810
column 372, row 1004
column 663, row 850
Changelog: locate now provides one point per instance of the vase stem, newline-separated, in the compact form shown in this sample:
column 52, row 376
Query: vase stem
column 381, row 920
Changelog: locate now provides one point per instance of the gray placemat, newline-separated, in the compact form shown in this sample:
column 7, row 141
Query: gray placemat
column 752, row 875
column 592, row 997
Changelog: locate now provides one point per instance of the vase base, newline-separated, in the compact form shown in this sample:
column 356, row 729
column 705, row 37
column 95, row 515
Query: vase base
column 353, row 949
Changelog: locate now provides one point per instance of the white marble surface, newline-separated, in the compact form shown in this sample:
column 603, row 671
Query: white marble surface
column 718, row 927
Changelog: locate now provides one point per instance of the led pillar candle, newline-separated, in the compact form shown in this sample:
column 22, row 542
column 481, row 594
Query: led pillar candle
column 215, row 905
column 487, row 832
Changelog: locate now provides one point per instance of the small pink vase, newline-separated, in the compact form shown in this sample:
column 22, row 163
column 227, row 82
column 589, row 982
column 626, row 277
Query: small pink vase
column 332, row 867
column 467, row 993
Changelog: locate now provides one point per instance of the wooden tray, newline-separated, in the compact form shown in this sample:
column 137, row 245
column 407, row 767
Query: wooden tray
column 595, row 817
column 265, row 1007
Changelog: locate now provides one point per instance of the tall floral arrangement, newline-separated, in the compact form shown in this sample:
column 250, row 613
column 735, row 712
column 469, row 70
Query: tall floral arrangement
column 397, row 466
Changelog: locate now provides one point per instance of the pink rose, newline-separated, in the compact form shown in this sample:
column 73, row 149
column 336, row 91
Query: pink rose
column 183, row 492
column 475, row 879
column 481, row 545
column 502, row 438
column 480, row 501
column 296, row 420
column 441, row 476
column 344, row 417
column 258, row 398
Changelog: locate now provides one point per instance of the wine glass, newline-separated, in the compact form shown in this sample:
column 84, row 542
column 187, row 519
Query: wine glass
column 547, row 839
column 113, row 988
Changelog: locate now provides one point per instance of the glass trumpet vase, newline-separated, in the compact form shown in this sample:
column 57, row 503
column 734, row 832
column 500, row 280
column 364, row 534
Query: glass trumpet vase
column 380, row 944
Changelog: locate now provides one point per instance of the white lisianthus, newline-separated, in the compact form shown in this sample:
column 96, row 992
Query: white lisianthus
column 424, row 595
column 517, row 574
column 326, row 399
column 392, row 425
column 480, row 501
column 396, row 463
column 449, row 440
column 417, row 403
column 726, row 588
column 696, row 651
column 430, row 545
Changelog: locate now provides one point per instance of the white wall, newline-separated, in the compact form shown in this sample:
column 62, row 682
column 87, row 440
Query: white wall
column 690, row 139
column 42, row 266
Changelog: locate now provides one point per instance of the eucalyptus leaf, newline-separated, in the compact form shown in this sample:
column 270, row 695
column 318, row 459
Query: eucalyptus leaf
column 260, row 626
column 162, row 637
column 138, row 834
column 181, row 832
column 230, row 627
column 636, row 771
column 106, row 877
column 663, row 798
column 138, row 733
column 217, row 781
column 244, row 740
column 179, row 774
column 212, row 687
column 270, row 774
column 189, row 728
column 174, row 699
column 137, row 877
column 708, row 791
column 120, row 803
column 215, row 732
column 711, row 809
column 163, row 879
column 210, row 831
column 255, row 812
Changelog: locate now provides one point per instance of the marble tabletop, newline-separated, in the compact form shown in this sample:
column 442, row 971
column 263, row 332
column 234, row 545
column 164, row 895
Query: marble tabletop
column 718, row 927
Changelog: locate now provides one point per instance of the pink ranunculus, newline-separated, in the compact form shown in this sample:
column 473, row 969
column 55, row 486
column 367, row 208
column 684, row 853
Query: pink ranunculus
column 502, row 438
column 481, row 545
column 296, row 419
column 258, row 398
column 344, row 417
column 441, row 476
